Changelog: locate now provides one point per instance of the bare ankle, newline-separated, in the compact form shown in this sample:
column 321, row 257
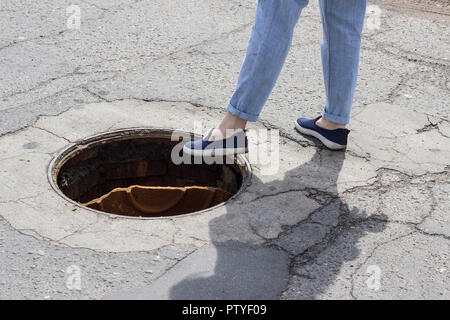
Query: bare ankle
column 230, row 121
column 229, row 125
column 329, row 124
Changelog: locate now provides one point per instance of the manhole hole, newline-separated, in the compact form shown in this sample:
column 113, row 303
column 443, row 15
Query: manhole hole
column 130, row 173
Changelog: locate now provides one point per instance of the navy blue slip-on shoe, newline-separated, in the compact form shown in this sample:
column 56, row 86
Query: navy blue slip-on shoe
column 235, row 144
column 332, row 139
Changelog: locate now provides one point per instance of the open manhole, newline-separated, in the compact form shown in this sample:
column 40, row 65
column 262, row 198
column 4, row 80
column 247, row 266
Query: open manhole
column 130, row 173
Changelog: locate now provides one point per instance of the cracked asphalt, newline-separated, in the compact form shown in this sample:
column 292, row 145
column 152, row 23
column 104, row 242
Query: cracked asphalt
column 371, row 223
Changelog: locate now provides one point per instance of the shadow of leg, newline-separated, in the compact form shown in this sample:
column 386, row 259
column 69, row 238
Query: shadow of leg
column 233, row 267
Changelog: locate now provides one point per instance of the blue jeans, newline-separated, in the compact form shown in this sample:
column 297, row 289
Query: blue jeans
column 269, row 45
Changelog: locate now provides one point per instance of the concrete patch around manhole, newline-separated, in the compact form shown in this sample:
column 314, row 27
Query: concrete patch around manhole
column 269, row 204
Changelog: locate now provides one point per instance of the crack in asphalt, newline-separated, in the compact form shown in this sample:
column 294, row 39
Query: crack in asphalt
column 406, row 55
column 44, row 83
column 51, row 132
column 346, row 222
column 369, row 256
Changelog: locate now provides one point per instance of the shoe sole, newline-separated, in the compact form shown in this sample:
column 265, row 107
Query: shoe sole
column 214, row 152
column 329, row 144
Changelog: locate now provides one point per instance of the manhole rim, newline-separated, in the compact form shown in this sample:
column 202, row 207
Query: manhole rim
column 53, row 170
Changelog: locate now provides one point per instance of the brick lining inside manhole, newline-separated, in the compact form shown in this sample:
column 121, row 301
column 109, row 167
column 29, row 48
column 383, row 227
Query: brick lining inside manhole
column 130, row 173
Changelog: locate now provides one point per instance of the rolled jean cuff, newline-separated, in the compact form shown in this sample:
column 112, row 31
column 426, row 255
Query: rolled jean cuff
column 336, row 119
column 242, row 114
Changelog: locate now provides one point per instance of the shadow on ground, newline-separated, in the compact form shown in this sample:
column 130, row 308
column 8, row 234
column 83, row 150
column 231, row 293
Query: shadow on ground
column 239, row 270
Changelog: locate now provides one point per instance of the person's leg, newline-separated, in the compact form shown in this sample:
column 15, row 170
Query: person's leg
column 267, row 49
column 343, row 22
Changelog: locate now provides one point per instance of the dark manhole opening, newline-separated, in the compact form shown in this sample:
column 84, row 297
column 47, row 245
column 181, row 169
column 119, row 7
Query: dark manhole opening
column 130, row 173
